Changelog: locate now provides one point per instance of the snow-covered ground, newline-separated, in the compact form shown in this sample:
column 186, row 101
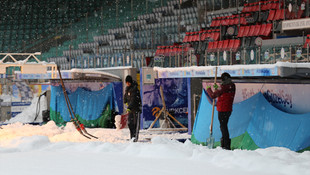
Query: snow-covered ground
column 48, row 149
column 51, row 150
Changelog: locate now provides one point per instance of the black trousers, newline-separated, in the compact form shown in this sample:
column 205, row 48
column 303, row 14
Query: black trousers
column 223, row 119
column 132, row 123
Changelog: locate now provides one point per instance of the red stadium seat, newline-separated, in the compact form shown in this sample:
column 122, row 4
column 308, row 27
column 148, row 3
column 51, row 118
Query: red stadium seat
column 275, row 5
column 208, row 34
column 196, row 36
column 203, row 35
column 225, row 45
column 158, row 50
column 252, row 30
column 218, row 22
column 215, row 45
column 179, row 49
column 279, row 15
column 264, row 5
column 225, row 21
column 190, row 37
column 250, row 7
column 175, row 49
column 213, row 23
column 230, row 20
column 243, row 19
column 211, row 34
column 162, row 50
column 220, row 45
column 216, row 35
column 237, row 44
column 210, row 46
column 245, row 8
column 199, row 35
column 240, row 32
column 257, row 30
column 268, row 5
column 185, row 49
column 167, row 50
column 236, row 20
column 262, row 29
column 268, row 29
column 185, row 40
column 246, row 31
column 255, row 7
column 171, row 49
column 231, row 44
column 271, row 15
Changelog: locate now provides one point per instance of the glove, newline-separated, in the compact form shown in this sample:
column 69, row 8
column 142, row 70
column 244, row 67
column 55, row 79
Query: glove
column 127, row 110
column 208, row 87
column 215, row 86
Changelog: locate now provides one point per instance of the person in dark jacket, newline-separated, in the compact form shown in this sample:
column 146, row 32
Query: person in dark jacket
column 133, row 101
column 225, row 95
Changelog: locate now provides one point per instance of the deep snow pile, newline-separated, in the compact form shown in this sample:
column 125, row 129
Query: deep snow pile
column 32, row 113
column 48, row 149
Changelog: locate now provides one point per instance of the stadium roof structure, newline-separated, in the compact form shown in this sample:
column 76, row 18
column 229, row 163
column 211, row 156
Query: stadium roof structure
column 26, row 67
column 40, row 69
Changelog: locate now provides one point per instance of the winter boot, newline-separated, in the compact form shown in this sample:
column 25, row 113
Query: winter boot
column 132, row 134
column 222, row 143
column 227, row 144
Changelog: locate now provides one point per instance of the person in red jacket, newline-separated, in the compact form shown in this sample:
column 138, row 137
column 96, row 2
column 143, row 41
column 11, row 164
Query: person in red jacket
column 225, row 95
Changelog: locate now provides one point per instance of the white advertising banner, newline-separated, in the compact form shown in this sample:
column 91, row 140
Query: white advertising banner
column 18, row 107
column 296, row 24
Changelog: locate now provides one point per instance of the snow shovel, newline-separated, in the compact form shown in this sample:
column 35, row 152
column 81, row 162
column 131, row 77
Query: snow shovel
column 210, row 140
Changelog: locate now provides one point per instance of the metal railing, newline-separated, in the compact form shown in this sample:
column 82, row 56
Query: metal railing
column 244, row 56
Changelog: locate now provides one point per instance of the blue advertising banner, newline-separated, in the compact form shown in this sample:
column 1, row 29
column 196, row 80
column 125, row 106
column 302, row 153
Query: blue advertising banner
column 289, row 98
column 175, row 96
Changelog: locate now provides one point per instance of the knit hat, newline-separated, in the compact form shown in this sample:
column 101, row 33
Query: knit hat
column 225, row 76
column 128, row 79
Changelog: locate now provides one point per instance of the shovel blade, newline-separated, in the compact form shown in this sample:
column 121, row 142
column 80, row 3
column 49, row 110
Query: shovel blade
column 210, row 142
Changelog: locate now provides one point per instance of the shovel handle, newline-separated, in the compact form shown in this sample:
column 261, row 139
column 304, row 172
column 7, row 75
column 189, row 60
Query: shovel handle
column 213, row 104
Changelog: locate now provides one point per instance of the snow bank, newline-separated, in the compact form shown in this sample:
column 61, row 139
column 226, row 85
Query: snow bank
column 29, row 114
column 50, row 150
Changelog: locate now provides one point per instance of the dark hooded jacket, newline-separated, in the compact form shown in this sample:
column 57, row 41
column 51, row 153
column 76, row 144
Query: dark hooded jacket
column 132, row 97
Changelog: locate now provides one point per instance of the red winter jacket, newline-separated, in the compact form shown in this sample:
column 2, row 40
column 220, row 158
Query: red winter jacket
column 225, row 95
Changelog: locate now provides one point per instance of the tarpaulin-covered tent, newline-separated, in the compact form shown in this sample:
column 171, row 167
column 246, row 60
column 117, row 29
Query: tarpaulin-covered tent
column 92, row 108
column 254, row 123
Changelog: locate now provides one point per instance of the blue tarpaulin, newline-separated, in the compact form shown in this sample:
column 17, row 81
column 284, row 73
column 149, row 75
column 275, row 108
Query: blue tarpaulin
column 266, row 125
column 88, row 105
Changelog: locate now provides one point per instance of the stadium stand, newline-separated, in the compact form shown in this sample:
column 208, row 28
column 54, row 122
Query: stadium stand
column 92, row 33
